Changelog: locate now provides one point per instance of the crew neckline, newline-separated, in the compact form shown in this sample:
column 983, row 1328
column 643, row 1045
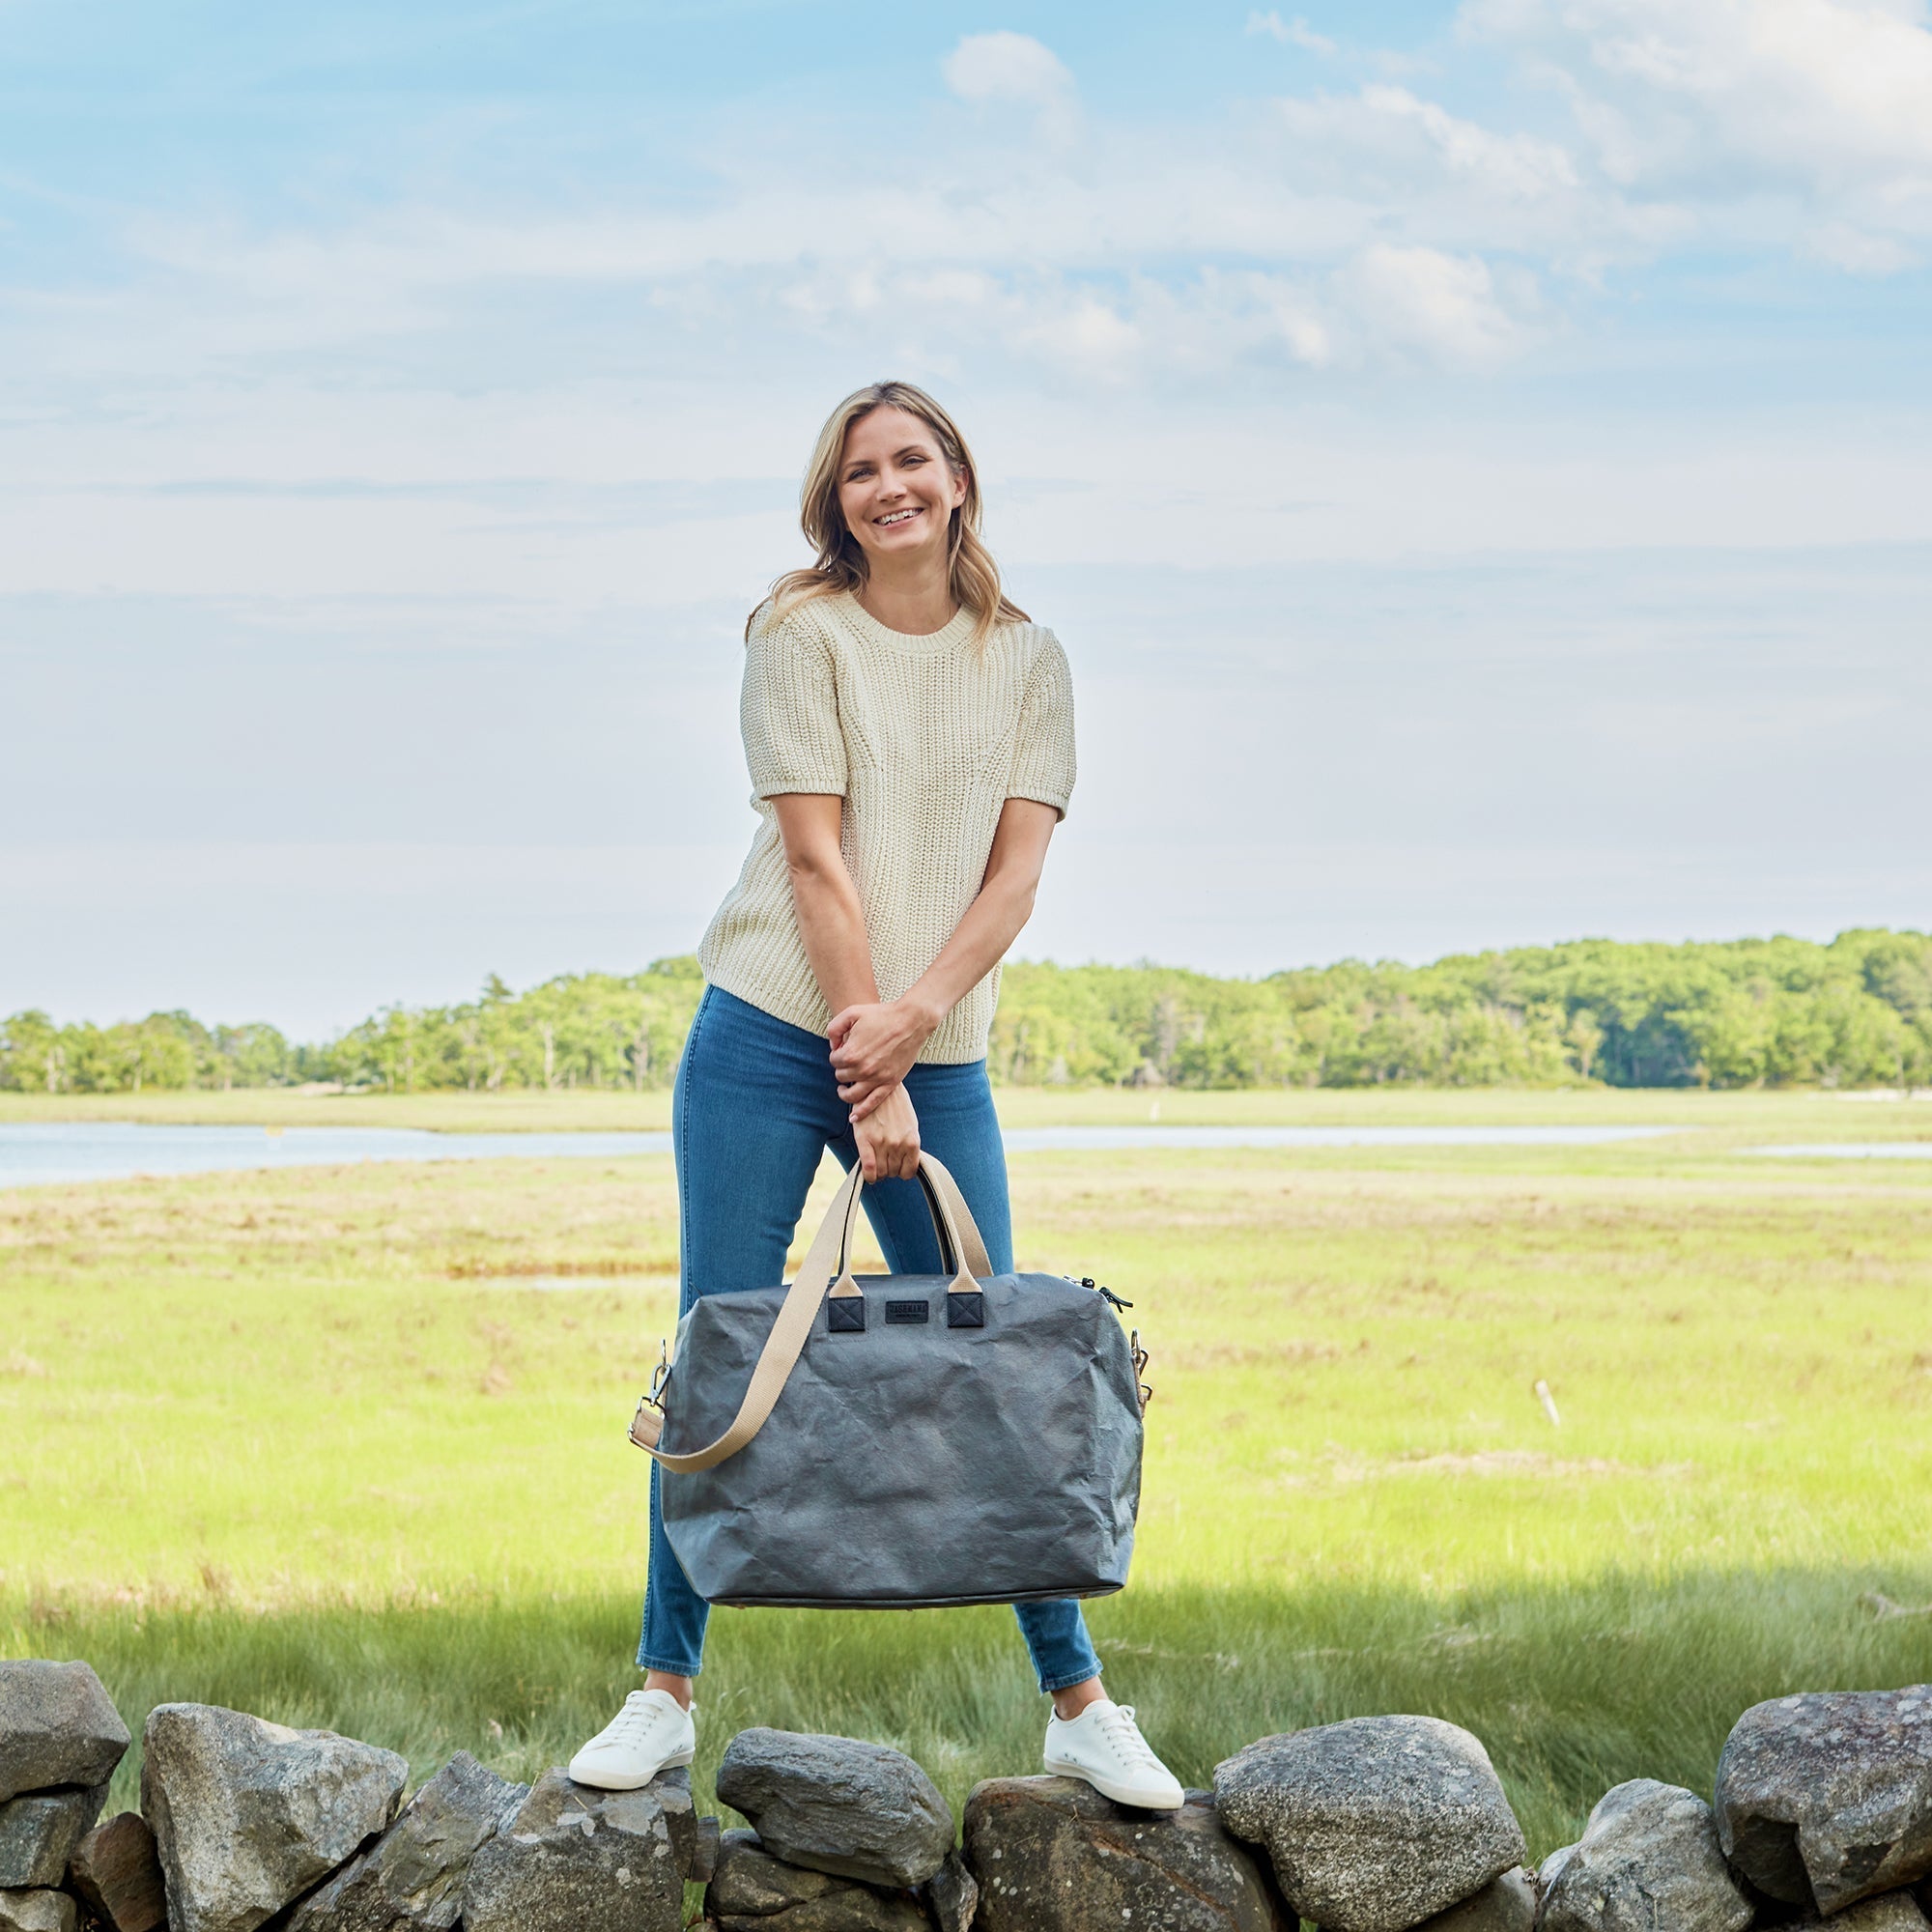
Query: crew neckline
column 925, row 643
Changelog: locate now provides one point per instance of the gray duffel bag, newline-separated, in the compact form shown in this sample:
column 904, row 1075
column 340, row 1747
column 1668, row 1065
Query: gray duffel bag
column 900, row 1442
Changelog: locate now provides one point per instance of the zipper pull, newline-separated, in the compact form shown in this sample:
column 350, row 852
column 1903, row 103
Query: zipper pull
column 1106, row 1294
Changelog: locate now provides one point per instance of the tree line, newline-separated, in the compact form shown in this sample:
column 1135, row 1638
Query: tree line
column 1751, row 1012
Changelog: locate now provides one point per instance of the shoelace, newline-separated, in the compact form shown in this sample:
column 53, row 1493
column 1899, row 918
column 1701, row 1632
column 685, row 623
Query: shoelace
column 635, row 1721
column 1124, row 1734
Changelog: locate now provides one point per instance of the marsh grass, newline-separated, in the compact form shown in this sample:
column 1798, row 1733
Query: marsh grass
column 341, row 1446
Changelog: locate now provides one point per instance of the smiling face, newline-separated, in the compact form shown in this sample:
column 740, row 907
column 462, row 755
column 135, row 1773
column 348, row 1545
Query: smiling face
column 895, row 491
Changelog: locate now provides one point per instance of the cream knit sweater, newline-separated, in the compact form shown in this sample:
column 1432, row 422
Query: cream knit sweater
column 925, row 739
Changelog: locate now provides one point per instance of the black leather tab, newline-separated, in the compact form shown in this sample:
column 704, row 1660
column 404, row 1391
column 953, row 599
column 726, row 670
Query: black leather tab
column 965, row 1311
column 845, row 1314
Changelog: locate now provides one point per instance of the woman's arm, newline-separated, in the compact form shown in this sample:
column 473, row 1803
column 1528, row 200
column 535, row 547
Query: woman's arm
column 874, row 1043
column 830, row 919
column 833, row 927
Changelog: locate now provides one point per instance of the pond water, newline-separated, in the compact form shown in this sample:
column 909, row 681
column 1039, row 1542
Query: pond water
column 1851, row 1150
column 1023, row 1139
column 66, row 1151
column 114, row 1150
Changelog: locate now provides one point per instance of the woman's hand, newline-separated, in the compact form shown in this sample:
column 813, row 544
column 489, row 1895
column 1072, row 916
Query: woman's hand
column 887, row 1137
column 873, row 1046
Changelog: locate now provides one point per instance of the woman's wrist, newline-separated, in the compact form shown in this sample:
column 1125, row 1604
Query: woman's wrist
column 924, row 1011
column 889, row 1100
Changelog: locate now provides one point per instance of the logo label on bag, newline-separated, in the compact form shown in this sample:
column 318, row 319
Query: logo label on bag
column 908, row 1311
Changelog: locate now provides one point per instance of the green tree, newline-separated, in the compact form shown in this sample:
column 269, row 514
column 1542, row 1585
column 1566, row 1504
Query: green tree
column 1745, row 1013
column 33, row 1054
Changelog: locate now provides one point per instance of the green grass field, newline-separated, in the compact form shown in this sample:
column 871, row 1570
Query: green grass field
column 343, row 1446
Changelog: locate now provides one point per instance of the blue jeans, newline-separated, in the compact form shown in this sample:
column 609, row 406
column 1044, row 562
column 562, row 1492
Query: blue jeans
column 756, row 1106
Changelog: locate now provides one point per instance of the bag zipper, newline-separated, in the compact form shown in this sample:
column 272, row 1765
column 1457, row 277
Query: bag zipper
column 1106, row 1294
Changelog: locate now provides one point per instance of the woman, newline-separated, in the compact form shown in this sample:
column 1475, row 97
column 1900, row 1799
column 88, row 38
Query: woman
column 910, row 738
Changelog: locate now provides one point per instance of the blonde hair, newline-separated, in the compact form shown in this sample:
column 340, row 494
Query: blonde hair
column 972, row 575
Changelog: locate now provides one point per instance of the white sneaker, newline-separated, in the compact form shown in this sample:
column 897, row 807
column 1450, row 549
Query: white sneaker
column 650, row 1734
column 1104, row 1746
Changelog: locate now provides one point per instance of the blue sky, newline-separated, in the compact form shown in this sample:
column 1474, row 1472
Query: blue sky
column 1476, row 457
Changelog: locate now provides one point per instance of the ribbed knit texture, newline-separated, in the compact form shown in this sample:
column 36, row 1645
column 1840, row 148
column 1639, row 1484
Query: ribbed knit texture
column 925, row 739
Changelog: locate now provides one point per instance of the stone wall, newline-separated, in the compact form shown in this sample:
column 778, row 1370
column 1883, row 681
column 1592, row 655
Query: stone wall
column 1822, row 1814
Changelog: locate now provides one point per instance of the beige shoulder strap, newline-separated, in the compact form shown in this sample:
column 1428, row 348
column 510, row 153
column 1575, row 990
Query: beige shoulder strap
column 825, row 1269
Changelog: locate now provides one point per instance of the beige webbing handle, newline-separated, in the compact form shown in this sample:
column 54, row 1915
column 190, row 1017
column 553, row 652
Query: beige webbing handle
column 963, row 1229
column 962, row 1245
column 825, row 1269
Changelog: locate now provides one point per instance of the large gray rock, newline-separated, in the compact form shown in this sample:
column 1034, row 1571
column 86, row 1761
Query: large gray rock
column 1648, row 1857
column 413, row 1875
column 753, row 1892
column 1051, row 1855
column 1375, row 1824
column 36, row 1911
column 1506, row 1904
column 837, row 1806
column 58, row 1725
column 1889, row 1912
column 1826, row 1798
column 694, row 1836
column 248, row 1814
column 39, row 1831
column 117, row 1876
column 574, row 1860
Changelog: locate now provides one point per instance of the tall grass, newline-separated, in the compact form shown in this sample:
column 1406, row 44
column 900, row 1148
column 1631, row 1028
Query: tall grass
column 1572, row 1687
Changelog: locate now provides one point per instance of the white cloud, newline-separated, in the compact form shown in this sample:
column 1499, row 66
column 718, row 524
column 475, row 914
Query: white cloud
column 1519, row 164
column 1399, row 168
column 1322, row 233
column 1308, row 339
column 1831, row 99
column 1446, row 307
column 1161, row 254
column 1007, row 67
column 1857, row 254
column 1392, row 123
column 1089, row 335
column 1295, row 33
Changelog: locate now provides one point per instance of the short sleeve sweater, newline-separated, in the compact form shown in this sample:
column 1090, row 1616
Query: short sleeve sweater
column 925, row 739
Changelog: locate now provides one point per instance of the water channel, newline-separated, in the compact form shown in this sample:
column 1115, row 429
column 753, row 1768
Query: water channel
column 69, row 1151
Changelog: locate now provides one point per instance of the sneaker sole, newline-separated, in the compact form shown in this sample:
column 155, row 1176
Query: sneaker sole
column 607, row 1782
column 1121, row 1794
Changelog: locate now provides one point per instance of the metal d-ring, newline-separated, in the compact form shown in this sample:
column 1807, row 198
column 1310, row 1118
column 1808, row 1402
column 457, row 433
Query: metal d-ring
column 648, row 1424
